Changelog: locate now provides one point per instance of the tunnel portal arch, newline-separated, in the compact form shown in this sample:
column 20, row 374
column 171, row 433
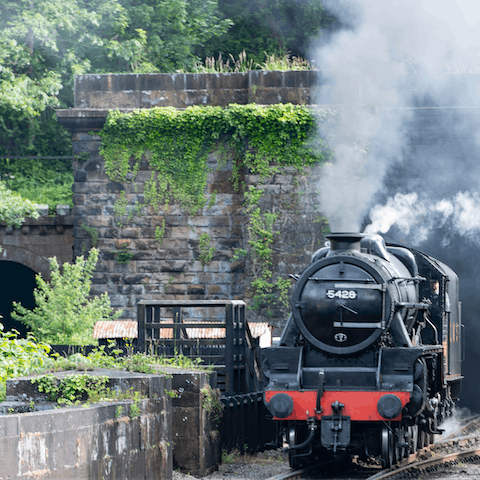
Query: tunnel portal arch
column 18, row 267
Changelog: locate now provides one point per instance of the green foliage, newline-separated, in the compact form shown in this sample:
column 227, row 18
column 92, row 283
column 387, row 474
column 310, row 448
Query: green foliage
column 211, row 402
column 206, row 251
column 135, row 406
column 285, row 62
column 261, row 236
column 92, row 231
column 14, row 208
column 45, row 43
column 261, row 140
column 64, row 313
column 42, row 184
column 178, row 144
column 270, row 26
column 160, row 232
column 120, row 208
column 176, row 29
column 124, row 255
column 213, row 199
column 218, row 65
column 19, row 357
column 73, row 389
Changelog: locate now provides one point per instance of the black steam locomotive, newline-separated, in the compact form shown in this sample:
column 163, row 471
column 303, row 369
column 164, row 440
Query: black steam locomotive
column 369, row 361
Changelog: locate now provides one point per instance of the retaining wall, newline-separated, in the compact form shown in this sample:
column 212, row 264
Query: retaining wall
column 103, row 441
column 110, row 440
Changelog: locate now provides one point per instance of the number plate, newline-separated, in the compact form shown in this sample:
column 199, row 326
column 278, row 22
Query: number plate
column 347, row 294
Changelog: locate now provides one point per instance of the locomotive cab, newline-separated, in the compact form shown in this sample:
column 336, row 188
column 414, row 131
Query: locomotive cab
column 360, row 368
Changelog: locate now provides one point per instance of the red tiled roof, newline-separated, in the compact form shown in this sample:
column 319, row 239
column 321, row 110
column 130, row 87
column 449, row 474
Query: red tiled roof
column 128, row 329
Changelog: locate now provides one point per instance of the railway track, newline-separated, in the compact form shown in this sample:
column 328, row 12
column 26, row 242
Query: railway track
column 409, row 468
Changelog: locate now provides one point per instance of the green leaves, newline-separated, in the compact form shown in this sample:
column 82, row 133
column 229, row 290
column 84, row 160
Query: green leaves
column 75, row 388
column 19, row 357
column 260, row 140
column 64, row 313
column 14, row 208
column 179, row 142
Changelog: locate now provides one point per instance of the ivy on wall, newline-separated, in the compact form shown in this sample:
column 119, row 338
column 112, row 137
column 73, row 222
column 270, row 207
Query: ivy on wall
column 176, row 143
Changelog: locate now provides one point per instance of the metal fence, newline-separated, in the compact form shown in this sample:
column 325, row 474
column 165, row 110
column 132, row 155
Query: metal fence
column 214, row 330
column 217, row 332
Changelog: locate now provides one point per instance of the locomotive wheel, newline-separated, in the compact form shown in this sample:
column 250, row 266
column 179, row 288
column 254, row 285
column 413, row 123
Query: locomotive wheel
column 294, row 438
column 424, row 438
column 412, row 439
column 388, row 446
column 400, row 450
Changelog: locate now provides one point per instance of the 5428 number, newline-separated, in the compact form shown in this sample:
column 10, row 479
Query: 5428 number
column 351, row 294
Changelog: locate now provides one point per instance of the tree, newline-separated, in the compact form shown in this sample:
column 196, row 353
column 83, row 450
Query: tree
column 272, row 26
column 175, row 30
column 45, row 43
column 64, row 313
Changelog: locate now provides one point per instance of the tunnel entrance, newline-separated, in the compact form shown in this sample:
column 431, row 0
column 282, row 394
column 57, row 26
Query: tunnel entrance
column 17, row 283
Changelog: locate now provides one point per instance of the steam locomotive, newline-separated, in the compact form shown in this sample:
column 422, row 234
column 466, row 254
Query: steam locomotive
column 369, row 362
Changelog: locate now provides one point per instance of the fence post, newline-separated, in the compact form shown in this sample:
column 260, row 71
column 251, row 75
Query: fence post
column 141, row 344
column 229, row 369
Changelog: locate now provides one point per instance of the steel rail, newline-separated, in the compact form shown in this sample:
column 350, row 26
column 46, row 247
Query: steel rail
column 471, row 421
column 424, row 464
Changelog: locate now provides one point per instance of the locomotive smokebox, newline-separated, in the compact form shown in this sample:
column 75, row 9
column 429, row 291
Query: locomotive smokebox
column 345, row 241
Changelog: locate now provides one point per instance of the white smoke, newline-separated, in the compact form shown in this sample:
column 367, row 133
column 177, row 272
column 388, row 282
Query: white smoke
column 390, row 54
column 417, row 218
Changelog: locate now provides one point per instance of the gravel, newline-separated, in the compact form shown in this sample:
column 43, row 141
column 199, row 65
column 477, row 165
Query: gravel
column 246, row 467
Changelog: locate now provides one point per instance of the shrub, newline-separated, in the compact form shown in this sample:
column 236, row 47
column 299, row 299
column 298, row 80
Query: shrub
column 14, row 208
column 64, row 313
column 19, row 357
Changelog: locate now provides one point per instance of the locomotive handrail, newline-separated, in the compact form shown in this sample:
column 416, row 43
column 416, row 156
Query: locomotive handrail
column 377, row 286
column 337, row 279
column 418, row 306
column 357, row 325
column 416, row 279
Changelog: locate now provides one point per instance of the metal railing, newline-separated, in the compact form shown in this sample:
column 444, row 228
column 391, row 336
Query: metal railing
column 224, row 341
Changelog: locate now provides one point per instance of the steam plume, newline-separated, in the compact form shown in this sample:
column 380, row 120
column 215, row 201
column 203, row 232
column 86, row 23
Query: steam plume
column 389, row 58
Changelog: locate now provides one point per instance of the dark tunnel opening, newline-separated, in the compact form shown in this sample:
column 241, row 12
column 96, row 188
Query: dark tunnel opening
column 17, row 283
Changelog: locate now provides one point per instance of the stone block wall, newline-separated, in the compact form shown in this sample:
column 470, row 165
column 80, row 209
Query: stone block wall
column 111, row 440
column 196, row 440
column 171, row 270
column 37, row 240
column 184, row 89
column 101, row 441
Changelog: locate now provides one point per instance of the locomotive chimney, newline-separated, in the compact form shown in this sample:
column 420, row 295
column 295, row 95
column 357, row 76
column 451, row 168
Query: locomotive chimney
column 345, row 241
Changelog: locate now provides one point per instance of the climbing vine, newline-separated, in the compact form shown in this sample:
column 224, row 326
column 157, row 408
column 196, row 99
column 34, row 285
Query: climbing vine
column 206, row 251
column 176, row 144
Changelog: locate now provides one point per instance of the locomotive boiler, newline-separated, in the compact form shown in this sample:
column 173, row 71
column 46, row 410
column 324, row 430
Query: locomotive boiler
column 369, row 361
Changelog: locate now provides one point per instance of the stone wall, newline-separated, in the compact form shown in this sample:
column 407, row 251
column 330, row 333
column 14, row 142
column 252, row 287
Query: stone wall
column 195, row 437
column 171, row 270
column 101, row 441
column 111, row 440
column 183, row 89
column 37, row 240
